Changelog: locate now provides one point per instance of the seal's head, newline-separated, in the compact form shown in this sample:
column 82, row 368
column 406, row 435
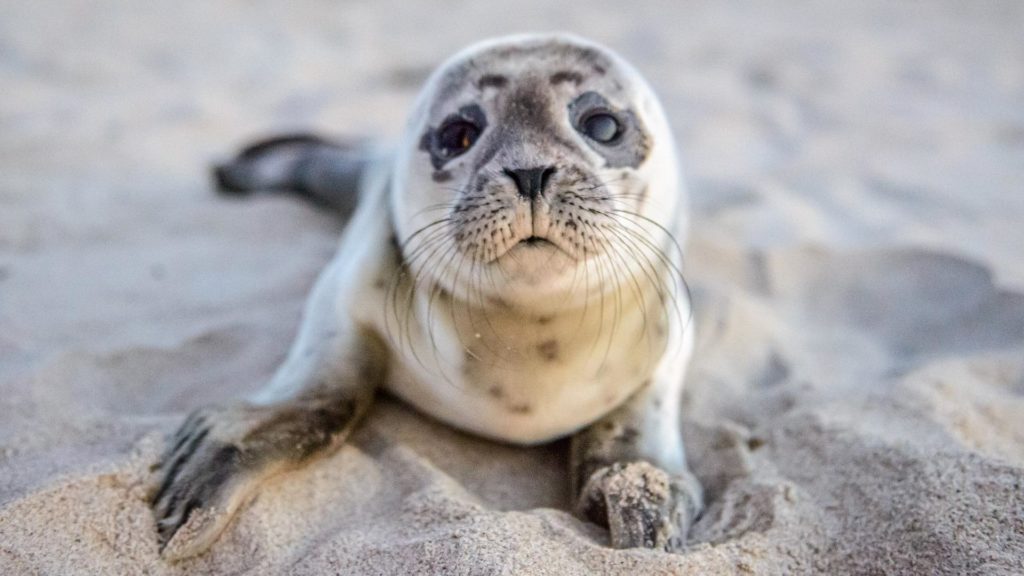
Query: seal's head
column 537, row 166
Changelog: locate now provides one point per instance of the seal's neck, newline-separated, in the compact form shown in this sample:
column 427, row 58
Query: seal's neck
column 493, row 330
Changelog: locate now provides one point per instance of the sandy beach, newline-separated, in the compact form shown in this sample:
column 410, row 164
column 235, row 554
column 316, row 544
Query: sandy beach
column 856, row 400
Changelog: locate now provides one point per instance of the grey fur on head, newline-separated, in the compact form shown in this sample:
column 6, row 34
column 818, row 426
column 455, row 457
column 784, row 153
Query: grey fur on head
column 545, row 138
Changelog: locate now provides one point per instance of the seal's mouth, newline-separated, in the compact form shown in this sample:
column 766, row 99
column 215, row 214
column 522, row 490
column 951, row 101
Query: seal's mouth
column 535, row 241
column 534, row 246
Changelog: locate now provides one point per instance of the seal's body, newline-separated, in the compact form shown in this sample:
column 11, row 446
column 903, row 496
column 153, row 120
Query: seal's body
column 512, row 268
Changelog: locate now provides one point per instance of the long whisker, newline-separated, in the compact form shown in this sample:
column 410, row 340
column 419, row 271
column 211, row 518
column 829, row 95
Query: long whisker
column 634, row 226
column 675, row 268
column 611, row 251
column 639, row 236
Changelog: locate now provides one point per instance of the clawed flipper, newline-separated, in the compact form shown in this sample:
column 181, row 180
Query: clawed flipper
column 205, row 476
column 642, row 505
column 218, row 457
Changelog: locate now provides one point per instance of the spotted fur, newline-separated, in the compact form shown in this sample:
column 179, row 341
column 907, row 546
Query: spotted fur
column 520, row 315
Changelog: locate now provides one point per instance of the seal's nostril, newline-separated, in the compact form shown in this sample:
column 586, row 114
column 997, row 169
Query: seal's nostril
column 530, row 182
column 545, row 176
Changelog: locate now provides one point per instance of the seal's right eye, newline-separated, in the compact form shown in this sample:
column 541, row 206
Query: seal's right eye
column 455, row 137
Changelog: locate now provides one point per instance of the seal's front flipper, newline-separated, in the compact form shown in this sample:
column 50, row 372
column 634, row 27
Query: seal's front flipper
column 219, row 457
column 642, row 505
column 204, row 478
column 630, row 475
column 316, row 168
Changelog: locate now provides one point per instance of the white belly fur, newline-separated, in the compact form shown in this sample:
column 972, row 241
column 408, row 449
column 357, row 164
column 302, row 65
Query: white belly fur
column 533, row 383
column 535, row 415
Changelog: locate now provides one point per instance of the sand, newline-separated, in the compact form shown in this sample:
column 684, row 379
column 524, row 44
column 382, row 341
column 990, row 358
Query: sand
column 856, row 403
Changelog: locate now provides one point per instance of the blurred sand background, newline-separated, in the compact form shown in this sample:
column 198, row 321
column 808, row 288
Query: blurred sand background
column 856, row 405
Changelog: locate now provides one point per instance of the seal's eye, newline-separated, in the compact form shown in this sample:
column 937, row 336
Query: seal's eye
column 455, row 137
column 601, row 127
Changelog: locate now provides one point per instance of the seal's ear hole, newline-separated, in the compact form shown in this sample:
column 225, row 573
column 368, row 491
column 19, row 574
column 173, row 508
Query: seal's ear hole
column 455, row 137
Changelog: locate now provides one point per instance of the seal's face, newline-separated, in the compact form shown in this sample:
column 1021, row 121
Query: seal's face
column 532, row 169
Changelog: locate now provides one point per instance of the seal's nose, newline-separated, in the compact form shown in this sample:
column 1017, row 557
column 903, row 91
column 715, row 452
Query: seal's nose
column 530, row 181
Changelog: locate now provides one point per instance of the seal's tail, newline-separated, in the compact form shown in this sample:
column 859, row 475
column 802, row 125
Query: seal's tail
column 315, row 168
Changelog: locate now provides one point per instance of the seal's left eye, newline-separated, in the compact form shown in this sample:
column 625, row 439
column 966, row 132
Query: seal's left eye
column 601, row 126
column 455, row 137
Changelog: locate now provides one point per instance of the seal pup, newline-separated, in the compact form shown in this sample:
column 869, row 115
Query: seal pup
column 511, row 267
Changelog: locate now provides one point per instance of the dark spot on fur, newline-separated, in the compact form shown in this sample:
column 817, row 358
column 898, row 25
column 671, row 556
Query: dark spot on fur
column 548, row 350
column 566, row 76
column 754, row 443
column 440, row 176
column 498, row 302
column 629, row 435
column 496, row 391
column 379, row 284
column 492, row 80
column 522, row 408
column 545, row 320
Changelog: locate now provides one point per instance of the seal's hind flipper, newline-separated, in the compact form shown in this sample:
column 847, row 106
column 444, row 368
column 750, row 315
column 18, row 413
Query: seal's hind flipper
column 321, row 170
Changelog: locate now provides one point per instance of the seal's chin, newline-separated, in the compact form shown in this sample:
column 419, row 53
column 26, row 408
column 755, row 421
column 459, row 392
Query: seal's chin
column 534, row 259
